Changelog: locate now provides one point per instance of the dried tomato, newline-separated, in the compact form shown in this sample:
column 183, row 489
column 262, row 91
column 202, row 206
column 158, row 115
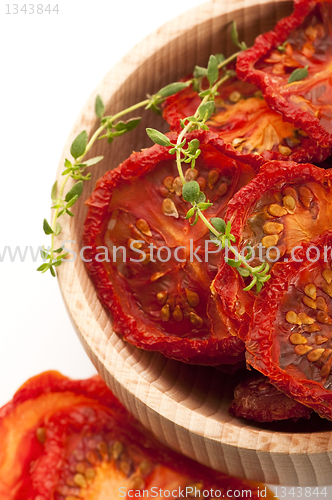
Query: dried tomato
column 68, row 440
column 301, row 41
column 257, row 399
column 246, row 123
column 284, row 205
column 156, row 305
column 290, row 336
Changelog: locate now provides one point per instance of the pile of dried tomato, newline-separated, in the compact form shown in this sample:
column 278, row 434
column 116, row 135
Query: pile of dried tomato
column 269, row 121
column 65, row 439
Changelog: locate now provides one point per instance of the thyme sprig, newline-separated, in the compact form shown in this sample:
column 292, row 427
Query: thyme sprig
column 110, row 127
column 220, row 232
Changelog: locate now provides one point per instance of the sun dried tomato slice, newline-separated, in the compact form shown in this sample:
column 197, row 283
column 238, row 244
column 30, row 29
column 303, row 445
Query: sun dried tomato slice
column 257, row 399
column 290, row 336
column 246, row 123
column 156, row 305
column 303, row 40
column 284, row 205
column 69, row 440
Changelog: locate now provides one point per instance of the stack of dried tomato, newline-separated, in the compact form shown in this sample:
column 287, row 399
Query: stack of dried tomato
column 163, row 292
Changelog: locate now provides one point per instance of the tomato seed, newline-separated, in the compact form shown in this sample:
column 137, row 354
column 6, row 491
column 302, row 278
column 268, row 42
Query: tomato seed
column 80, row 481
column 270, row 241
column 302, row 349
column 136, row 483
column 292, row 318
column 177, row 186
column 284, row 150
column 165, row 313
column 144, row 227
column 41, row 434
column 305, row 196
column 321, row 339
column 314, row 355
column 192, row 298
column 309, row 302
column 213, row 177
column 191, row 174
column 289, row 203
column 276, row 210
column 273, row 228
column 177, row 314
column 297, row 339
column 306, row 320
column 327, row 275
column 311, row 291
column 321, row 304
column 168, row 182
column 323, row 317
column 168, row 207
column 117, row 449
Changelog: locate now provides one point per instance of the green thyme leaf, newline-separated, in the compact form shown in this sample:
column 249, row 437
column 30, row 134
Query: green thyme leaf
column 195, row 221
column 282, row 47
column 235, row 37
column 199, row 72
column 57, row 229
column 99, row 107
column 65, row 172
column 193, row 146
column 47, row 228
column 79, row 145
column 68, row 163
column 220, row 58
column 158, row 137
column 190, row 213
column 243, row 271
column 259, row 286
column 54, row 191
column 218, row 224
column 70, row 203
column 76, row 190
column 233, row 263
column 129, row 125
column 190, row 191
column 234, row 34
column 43, row 253
column 205, row 110
column 212, row 70
column 298, row 74
column 171, row 89
column 251, row 285
column 93, row 161
column 44, row 267
column 204, row 206
column 201, row 198
column 204, row 93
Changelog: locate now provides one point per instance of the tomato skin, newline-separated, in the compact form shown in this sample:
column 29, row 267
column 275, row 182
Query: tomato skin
column 249, row 116
column 114, row 292
column 228, row 284
column 86, row 410
column 253, row 65
column 257, row 399
column 263, row 344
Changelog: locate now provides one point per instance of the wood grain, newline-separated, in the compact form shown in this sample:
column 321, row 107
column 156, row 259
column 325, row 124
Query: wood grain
column 185, row 406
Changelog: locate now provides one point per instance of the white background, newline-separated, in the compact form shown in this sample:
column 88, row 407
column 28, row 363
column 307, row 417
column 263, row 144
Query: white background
column 50, row 65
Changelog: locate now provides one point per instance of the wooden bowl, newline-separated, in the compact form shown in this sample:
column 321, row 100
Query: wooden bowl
column 185, row 406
